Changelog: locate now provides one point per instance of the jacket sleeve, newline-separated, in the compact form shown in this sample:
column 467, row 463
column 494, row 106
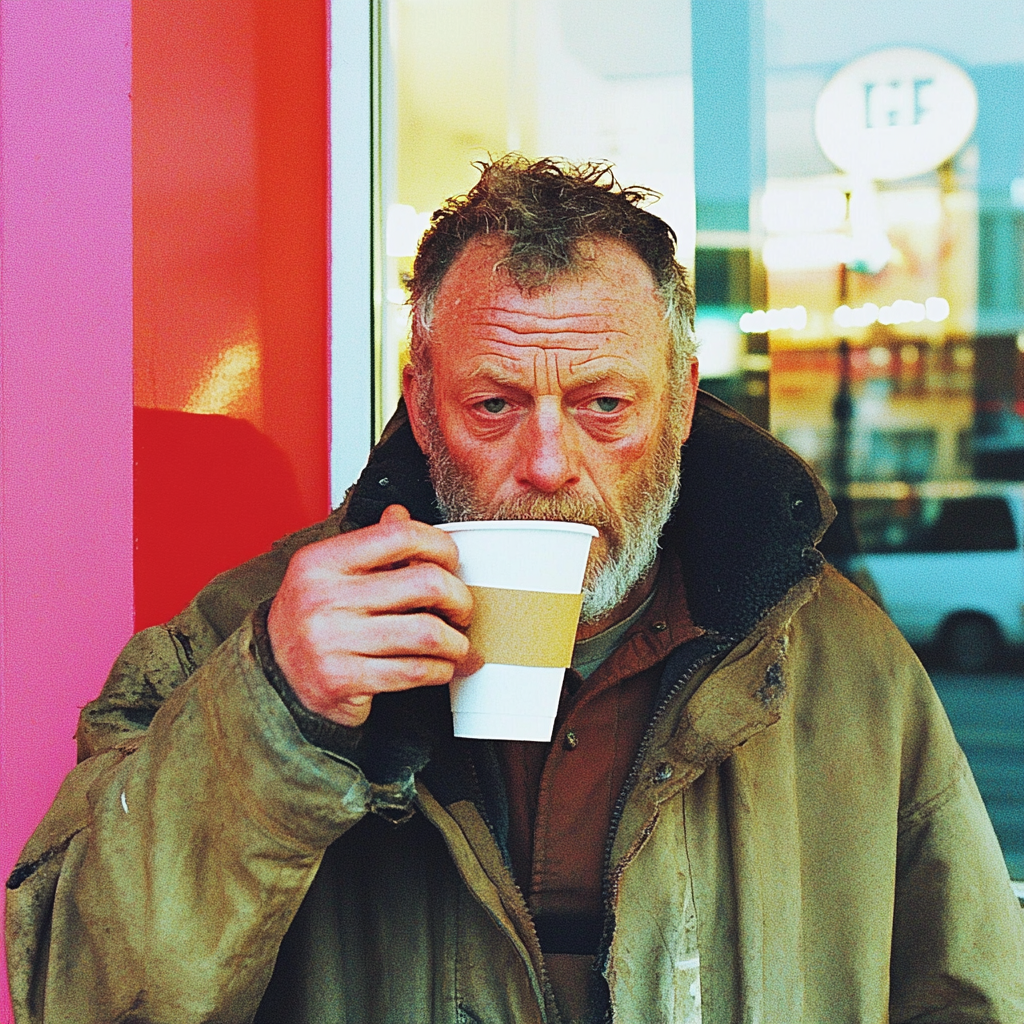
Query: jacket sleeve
column 163, row 878
column 958, row 928
column 912, row 810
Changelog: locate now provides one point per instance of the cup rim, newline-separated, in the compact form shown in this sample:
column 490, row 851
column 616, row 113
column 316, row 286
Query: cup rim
column 521, row 524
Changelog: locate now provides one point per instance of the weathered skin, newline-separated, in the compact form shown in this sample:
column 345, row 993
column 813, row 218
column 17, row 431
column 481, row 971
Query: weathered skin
column 565, row 388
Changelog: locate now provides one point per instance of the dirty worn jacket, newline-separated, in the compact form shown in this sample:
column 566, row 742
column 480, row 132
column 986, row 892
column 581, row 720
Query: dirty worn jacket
column 799, row 816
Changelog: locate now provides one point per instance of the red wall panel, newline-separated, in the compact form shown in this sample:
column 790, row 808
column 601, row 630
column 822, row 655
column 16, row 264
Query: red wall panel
column 230, row 285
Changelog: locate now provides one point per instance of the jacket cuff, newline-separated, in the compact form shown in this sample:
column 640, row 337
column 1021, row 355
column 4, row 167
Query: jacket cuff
column 337, row 739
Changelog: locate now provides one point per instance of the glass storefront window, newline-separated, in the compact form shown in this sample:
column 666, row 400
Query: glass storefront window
column 893, row 222
column 917, row 265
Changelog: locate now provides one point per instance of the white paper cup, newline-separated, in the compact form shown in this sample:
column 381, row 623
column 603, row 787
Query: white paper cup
column 526, row 576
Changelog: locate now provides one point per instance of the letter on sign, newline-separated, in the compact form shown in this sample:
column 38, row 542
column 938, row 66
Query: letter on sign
column 895, row 113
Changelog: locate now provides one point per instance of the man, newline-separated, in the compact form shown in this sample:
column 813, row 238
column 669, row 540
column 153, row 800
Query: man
column 752, row 809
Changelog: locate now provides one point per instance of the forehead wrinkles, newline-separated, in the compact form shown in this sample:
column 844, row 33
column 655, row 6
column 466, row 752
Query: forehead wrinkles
column 546, row 366
column 563, row 311
column 550, row 369
column 499, row 364
column 576, row 331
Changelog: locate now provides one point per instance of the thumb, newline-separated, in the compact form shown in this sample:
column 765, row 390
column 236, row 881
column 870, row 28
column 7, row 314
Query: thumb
column 395, row 514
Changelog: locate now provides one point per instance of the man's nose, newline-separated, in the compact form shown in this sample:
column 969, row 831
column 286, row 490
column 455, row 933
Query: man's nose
column 548, row 460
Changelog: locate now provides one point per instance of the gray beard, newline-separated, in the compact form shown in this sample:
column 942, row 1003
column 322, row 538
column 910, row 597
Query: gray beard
column 633, row 534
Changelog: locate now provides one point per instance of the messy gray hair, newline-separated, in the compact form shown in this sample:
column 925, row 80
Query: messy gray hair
column 546, row 209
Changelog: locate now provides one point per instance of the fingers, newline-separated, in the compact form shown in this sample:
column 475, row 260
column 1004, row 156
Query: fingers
column 395, row 636
column 371, row 610
column 395, row 514
column 395, row 539
column 350, row 706
column 472, row 662
column 388, row 674
column 422, row 585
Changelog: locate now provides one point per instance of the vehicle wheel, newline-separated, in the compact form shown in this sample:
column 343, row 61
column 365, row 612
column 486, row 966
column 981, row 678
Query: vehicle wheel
column 971, row 643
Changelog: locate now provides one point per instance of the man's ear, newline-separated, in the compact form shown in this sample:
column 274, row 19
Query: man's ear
column 411, row 394
column 690, row 403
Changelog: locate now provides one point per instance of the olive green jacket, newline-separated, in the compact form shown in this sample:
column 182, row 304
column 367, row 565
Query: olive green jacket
column 799, row 806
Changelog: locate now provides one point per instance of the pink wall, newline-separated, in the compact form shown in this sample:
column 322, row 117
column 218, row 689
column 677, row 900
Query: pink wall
column 66, row 375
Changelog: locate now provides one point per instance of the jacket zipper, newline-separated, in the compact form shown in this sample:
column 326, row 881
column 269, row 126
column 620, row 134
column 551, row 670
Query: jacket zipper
column 611, row 885
column 481, row 806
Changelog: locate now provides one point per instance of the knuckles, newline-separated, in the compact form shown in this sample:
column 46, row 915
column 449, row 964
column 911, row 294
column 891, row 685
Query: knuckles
column 431, row 583
column 426, row 672
column 436, row 639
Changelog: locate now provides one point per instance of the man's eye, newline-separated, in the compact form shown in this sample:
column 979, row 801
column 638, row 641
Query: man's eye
column 606, row 404
column 494, row 405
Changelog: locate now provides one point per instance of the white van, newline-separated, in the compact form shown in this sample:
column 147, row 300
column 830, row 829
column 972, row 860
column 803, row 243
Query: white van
column 947, row 560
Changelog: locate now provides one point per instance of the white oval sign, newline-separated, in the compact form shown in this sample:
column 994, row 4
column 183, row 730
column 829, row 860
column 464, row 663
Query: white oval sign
column 895, row 113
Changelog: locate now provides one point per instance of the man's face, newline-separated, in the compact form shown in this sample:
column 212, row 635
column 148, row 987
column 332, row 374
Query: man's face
column 555, row 403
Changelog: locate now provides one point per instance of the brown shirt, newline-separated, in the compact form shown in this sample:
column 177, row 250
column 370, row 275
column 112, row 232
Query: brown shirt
column 562, row 794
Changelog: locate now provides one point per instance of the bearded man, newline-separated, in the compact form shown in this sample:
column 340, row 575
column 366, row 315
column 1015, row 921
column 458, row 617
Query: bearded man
column 752, row 809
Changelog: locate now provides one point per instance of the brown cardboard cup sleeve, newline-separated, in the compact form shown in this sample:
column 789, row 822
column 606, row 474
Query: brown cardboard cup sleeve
column 524, row 627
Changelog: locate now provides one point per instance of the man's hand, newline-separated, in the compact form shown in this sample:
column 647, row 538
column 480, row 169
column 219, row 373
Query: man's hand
column 368, row 611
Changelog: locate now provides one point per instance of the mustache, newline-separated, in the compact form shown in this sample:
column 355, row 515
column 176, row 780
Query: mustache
column 562, row 507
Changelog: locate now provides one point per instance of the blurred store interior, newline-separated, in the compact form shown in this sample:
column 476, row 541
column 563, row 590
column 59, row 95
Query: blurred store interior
column 914, row 260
